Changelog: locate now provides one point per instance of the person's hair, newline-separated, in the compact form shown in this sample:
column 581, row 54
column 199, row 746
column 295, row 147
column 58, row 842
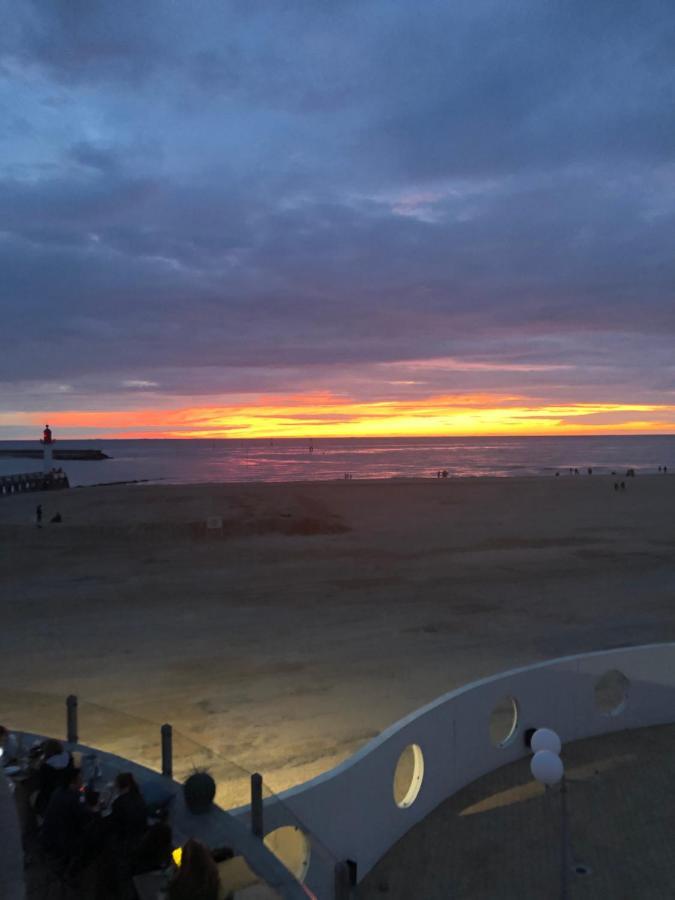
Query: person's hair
column 125, row 781
column 198, row 873
column 52, row 747
column 3, row 732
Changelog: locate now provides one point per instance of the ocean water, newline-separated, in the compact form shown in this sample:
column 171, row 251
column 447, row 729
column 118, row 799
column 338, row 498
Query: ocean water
column 191, row 461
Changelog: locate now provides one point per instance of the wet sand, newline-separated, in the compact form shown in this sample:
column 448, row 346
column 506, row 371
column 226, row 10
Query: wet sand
column 321, row 613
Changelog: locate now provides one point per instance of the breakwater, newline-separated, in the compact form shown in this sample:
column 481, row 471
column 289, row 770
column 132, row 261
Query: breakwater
column 27, row 482
column 63, row 454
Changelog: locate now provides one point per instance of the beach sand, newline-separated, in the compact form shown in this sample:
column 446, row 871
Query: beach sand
column 321, row 613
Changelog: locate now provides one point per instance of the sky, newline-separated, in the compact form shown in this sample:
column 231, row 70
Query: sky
column 337, row 217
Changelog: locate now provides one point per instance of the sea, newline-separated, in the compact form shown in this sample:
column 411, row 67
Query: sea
column 199, row 461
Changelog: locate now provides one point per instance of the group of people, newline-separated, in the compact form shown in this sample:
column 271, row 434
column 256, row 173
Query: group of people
column 107, row 847
column 55, row 519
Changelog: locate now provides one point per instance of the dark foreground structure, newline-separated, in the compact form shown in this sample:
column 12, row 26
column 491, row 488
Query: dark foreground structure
column 33, row 481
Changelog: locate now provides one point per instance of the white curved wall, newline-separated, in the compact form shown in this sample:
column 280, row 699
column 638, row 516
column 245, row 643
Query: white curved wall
column 351, row 809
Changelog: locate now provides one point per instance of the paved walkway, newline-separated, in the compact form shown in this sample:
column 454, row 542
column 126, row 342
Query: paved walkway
column 500, row 837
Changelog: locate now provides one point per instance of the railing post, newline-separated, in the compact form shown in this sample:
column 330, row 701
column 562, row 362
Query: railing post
column 71, row 719
column 256, row 805
column 345, row 879
column 167, row 750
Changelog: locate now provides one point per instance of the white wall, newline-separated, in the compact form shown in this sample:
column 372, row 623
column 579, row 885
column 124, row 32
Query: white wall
column 351, row 809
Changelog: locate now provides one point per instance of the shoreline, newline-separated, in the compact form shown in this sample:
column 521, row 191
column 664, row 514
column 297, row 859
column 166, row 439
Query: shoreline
column 385, row 479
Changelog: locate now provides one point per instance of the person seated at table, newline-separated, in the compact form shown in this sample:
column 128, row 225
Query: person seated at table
column 154, row 851
column 128, row 818
column 66, row 820
column 9, row 747
column 197, row 878
column 121, row 833
column 56, row 770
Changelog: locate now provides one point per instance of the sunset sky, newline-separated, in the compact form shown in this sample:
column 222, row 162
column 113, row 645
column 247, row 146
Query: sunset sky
column 355, row 217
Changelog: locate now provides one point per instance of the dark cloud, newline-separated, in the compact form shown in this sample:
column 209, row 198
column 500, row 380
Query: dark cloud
column 237, row 197
column 102, row 159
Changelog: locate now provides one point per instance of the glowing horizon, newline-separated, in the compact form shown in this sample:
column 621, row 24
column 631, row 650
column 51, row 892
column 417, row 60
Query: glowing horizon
column 323, row 415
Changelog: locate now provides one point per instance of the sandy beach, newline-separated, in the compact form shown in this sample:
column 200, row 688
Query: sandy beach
column 322, row 612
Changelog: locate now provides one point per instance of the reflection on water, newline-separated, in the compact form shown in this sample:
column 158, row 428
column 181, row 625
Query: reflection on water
column 185, row 461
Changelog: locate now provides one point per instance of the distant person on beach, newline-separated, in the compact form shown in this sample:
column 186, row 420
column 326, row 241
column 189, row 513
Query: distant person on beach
column 38, row 515
column 623, row 485
column 590, row 471
column 197, row 878
column 445, row 473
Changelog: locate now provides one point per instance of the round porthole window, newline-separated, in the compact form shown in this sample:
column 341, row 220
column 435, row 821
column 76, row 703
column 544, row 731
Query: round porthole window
column 292, row 847
column 408, row 776
column 503, row 722
column 611, row 693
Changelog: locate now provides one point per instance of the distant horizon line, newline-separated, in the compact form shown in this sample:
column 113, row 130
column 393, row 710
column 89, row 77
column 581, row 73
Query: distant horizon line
column 390, row 437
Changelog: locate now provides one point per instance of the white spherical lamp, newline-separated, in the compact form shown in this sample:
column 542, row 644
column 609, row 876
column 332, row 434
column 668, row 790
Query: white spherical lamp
column 545, row 739
column 547, row 767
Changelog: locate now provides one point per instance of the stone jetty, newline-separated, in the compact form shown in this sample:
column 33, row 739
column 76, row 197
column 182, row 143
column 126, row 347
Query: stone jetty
column 63, row 454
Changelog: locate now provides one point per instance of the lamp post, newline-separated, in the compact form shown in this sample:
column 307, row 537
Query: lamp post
column 547, row 768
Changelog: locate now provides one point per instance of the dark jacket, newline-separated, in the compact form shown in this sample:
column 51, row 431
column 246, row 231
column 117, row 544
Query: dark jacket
column 66, row 821
column 188, row 890
column 128, row 818
column 52, row 775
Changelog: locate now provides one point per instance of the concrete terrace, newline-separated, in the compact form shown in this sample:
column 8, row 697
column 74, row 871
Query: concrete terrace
column 500, row 836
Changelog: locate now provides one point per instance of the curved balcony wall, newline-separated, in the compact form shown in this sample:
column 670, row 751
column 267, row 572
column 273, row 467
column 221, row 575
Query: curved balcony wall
column 353, row 808
column 362, row 807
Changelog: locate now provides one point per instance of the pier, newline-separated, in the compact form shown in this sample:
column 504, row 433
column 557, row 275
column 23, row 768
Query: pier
column 65, row 454
column 33, row 481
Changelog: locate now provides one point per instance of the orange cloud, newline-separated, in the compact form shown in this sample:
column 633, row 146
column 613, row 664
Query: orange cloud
column 328, row 415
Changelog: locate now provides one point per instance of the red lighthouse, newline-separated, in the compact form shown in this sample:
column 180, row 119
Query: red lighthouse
column 47, row 445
